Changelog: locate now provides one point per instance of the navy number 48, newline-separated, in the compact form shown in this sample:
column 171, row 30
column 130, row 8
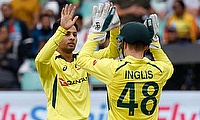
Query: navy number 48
column 132, row 105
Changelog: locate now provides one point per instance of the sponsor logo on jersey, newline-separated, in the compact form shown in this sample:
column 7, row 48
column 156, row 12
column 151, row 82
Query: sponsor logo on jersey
column 62, row 82
column 70, row 82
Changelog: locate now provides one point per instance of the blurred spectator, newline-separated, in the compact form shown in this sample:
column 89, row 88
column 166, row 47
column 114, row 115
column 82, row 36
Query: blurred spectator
column 18, row 33
column 51, row 8
column 184, row 23
column 8, row 66
column 191, row 6
column 1, row 3
column 198, row 21
column 41, row 36
column 172, row 35
column 4, row 33
column 133, row 10
column 27, row 10
column 82, row 33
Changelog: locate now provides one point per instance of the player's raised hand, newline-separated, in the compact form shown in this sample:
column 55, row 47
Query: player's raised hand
column 152, row 24
column 104, row 18
column 67, row 16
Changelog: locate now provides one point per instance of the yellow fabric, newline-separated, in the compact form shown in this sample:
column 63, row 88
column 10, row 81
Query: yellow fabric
column 65, row 84
column 25, row 9
column 186, row 26
column 139, row 80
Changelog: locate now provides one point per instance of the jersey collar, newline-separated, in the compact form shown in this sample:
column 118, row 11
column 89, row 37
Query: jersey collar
column 58, row 55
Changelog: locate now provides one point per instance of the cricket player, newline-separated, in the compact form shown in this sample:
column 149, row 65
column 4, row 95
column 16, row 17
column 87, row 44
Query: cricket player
column 134, row 84
column 66, row 84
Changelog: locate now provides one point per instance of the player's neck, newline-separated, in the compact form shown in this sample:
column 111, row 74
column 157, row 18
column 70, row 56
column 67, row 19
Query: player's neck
column 138, row 54
column 67, row 56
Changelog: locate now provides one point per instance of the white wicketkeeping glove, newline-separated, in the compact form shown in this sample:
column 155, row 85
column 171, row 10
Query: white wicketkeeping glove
column 104, row 18
column 152, row 25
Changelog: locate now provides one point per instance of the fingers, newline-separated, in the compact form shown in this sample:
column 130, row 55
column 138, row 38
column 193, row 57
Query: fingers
column 94, row 10
column 75, row 19
column 67, row 16
column 68, row 10
column 63, row 12
column 155, row 21
column 106, row 9
column 111, row 4
column 154, row 17
column 99, row 9
column 73, row 11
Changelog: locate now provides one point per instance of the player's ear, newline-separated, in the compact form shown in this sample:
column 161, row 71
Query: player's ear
column 125, row 44
column 146, row 47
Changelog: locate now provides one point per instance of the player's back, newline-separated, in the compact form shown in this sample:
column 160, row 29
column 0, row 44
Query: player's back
column 135, row 90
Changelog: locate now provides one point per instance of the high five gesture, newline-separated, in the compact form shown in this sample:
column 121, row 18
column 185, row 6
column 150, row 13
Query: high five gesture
column 67, row 16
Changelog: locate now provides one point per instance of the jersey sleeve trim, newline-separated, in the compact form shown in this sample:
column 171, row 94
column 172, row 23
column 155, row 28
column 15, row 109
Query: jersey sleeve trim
column 54, row 92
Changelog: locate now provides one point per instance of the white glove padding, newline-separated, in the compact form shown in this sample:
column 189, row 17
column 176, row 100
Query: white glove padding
column 155, row 44
column 112, row 20
column 152, row 24
column 104, row 18
column 100, row 37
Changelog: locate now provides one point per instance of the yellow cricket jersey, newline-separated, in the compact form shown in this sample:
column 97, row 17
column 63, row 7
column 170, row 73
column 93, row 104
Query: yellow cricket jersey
column 134, row 85
column 65, row 84
column 186, row 26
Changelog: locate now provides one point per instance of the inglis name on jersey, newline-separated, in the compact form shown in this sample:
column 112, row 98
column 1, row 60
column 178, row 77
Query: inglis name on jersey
column 138, row 74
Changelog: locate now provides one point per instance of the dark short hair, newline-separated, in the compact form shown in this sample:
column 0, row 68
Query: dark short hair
column 6, row 4
column 44, row 15
column 80, row 16
column 181, row 3
column 56, row 24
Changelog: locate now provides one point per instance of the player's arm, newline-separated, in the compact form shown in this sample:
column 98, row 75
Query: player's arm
column 42, row 60
column 99, row 68
column 152, row 25
column 105, row 18
column 162, row 59
column 159, row 55
column 111, row 50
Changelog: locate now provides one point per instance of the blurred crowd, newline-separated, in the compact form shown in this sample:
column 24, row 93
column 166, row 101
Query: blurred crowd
column 26, row 25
